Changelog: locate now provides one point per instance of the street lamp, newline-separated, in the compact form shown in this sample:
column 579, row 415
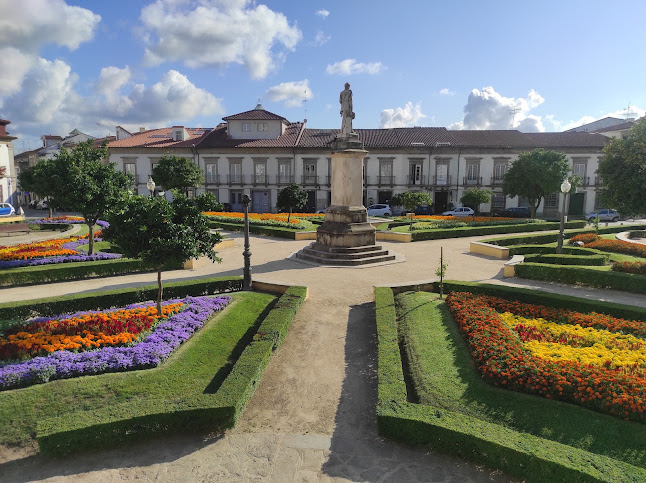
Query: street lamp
column 565, row 189
column 151, row 186
column 246, row 274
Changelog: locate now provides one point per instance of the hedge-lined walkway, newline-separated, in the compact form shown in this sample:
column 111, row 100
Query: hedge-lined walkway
column 312, row 417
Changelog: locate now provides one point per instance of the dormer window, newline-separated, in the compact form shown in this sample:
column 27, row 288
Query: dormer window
column 262, row 126
column 246, row 127
column 178, row 135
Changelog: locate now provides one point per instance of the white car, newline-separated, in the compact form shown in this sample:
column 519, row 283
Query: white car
column 461, row 211
column 6, row 209
column 380, row 210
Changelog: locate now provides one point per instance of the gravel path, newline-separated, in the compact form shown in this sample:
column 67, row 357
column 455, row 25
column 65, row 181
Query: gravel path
column 312, row 416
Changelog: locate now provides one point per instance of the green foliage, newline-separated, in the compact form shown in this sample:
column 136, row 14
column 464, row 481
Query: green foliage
column 490, row 230
column 207, row 202
column 474, row 197
column 177, row 173
column 160, row 233
column 623, row 170
column 411, row 199
column 291, row 198
column 563, row 259
column 534, row 175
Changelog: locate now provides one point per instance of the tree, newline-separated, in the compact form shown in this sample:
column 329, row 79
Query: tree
column 411, row 200
column 534, row 175
column 623, row 171
column 207, row 202
column 160, row 232
column 291, row 197
column 36, row 179
column 177, row 173
column 474, row 197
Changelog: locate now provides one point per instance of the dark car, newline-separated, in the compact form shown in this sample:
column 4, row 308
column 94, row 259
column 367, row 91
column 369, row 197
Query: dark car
column 419, row 211
column 515, row 212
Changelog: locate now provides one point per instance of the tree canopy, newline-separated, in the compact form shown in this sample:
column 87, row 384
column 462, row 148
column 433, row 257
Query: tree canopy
column 534, row 175
column 411, row 199
column 177, row 173
column 160, row 232
column 207, row 202
column 291, row 197
column 474, row 197
column 623, row 171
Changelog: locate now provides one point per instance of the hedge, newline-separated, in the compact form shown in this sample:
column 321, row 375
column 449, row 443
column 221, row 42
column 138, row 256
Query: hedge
column 551, row 249
column 197, row 412
column 275, row 231
column 49, row 226
column 63, row 272
column 52, row 306
column 566, row 259
column 492, row 230
column 522, row 455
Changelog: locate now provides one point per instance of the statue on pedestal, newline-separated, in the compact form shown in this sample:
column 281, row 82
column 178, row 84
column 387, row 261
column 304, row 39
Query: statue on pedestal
column 345, row 98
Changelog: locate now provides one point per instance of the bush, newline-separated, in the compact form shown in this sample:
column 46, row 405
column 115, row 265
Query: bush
column 592, row 260
column 630, row 267
column 550, row 249
column 278, row 232
column 491, row 230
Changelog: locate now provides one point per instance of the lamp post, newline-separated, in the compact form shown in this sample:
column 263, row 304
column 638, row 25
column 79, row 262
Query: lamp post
column 565, row 189
column 246, row 276
column 151, row 186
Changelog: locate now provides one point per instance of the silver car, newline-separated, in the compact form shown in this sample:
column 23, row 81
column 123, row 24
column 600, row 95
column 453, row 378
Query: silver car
column 603, row 215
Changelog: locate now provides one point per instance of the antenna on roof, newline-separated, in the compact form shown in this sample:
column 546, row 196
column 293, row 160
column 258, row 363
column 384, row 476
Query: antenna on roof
column 513, row 112
column 629, row 113
column 305, row 106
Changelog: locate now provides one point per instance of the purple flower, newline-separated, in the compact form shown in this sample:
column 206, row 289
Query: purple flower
column 149, row 352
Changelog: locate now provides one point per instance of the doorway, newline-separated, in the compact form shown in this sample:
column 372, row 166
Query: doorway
column 440, row 202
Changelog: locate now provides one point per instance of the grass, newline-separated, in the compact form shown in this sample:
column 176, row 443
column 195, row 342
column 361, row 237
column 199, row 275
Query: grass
column 444, row 377
column 102, row 246
column 197, row 367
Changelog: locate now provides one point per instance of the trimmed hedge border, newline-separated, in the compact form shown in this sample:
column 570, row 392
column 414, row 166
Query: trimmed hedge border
column 63, row 272
column 519, row 454
column 567, row 259
column 115, row 298
column 197, row 412
column 275, row 231
column 551, row 250
column 492, row 230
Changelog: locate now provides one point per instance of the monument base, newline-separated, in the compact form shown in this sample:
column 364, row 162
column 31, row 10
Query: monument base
column 346, row 226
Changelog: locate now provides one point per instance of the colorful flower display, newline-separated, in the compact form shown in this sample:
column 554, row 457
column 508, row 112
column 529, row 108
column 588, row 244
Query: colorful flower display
column 593, row 360
column 183, row 318
column 270, row 219
column 591, row 240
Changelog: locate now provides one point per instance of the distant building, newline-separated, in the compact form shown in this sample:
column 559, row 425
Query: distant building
column 7, row 165
column 258, row 153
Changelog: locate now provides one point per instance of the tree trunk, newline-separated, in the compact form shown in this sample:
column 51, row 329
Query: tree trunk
column 90, row 246
column 51, row 212
column 289, row 215
column 159, row 291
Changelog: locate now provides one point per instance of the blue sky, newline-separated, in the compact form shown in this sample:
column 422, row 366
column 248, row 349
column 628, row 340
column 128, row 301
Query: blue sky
column 91, row 65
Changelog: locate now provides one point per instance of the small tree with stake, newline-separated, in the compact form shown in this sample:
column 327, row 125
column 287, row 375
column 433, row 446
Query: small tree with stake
column 161, row 232
column 291, row 197
column 177, row 173
column 474, row 197
column 411, row 200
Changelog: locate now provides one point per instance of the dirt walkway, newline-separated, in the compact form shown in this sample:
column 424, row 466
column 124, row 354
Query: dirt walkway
column 312, row 416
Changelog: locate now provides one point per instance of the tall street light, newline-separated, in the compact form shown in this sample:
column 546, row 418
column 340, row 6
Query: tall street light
column 151, row 186
column 246, row 275
column 565, row 189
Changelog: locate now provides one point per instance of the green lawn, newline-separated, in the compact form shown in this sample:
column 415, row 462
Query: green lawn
column 198, row 367
column 443, row 376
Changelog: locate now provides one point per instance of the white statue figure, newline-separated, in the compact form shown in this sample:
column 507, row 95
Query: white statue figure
column 345, row 98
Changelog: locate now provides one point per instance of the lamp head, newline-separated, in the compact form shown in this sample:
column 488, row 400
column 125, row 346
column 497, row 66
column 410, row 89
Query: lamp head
column 150, row 184
column 246, row 200
column 565, row 186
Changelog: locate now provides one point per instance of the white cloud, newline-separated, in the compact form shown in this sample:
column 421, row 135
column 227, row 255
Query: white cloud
column 322, row 13
column 14, row 64
column 321, row 38
column 216, row 34
column 406, row 116
column 487, row 109
column 32, row 24
column 293, row 93
column 446, row 92
column 351, row 66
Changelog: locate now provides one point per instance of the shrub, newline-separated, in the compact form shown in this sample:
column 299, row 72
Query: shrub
column 595, row 260
column 585, row 238
column 630, row 267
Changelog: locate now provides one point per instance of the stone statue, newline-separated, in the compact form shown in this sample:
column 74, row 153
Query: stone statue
column 345, row 98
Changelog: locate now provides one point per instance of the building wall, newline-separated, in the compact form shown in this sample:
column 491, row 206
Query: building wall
column 8, row 181
column 274, row 129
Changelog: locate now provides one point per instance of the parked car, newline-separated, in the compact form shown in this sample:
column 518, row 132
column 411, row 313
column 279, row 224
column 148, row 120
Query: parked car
column 603, row 215
column 515, row 212
column 6, row 209
column 380, row 210
column 42, row 205
column 461, row 211
column 421, row 210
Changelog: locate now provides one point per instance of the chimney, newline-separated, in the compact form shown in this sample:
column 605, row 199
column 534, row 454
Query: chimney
column 3, row 127
column 142, row 129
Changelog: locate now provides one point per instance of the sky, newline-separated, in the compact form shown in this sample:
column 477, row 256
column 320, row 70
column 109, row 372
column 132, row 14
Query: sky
column 531, row 66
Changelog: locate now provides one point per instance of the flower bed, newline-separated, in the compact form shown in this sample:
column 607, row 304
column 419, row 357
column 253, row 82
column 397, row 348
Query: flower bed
column 65, row 219
column 548, row 352
column 85, row 348
column 591, row 240
column 297, row 220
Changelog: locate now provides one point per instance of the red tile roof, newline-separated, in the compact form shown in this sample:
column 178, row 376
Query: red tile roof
column 616, row 127
column 218, row 138
column 161, row 138
column 255, row 115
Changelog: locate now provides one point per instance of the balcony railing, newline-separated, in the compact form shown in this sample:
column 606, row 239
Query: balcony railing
column 598, row 181
column 442, row 180
column 235, row 179
column 259, row 179
column 309, row 180
column 477, row 181
column 284, row 179
column 386, row 180
column 212, row 179
column 585, row 181
column 417, row 180
column 496, row 181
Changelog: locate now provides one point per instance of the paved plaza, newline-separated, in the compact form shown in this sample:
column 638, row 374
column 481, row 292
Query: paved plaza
column 312, row 417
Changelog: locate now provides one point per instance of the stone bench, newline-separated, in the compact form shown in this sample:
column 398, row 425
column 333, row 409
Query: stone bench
column 509, row 267
column 13, row 228
column 489, row 250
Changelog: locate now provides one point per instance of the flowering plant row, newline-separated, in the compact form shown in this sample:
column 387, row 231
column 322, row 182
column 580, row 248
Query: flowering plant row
column 149, row 350
column 552, row 357
column 590, row 240
column 266, row 219
column 70, row 220
column 630, row 267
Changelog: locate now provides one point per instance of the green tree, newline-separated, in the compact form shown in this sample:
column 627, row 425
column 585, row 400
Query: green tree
column 207, row 202
column 534, row 175
column 177, row 173
column 411, row 199
column 474, row 197
column 160, row 232
column 623, row 171
column 291, row 197
column 37, row 179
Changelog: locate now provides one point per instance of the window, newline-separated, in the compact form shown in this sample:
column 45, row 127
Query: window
column 130, row 168
column 442, row 174
column 309, row 171
column 262, row 126
column 246, row 127
column 415, row 173
column 178, row 135
column 551, row 201
column 260, row 173
column 235, row 172
column 284, row 173
column 499, row 170
column 472, row 173
column 498, row 201
column 386, row 171
column 579, row 170
column 211, row 173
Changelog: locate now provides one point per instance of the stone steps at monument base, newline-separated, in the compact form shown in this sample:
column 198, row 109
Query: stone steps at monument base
column 348, row 250
column 343, row 255
column 344, row 261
